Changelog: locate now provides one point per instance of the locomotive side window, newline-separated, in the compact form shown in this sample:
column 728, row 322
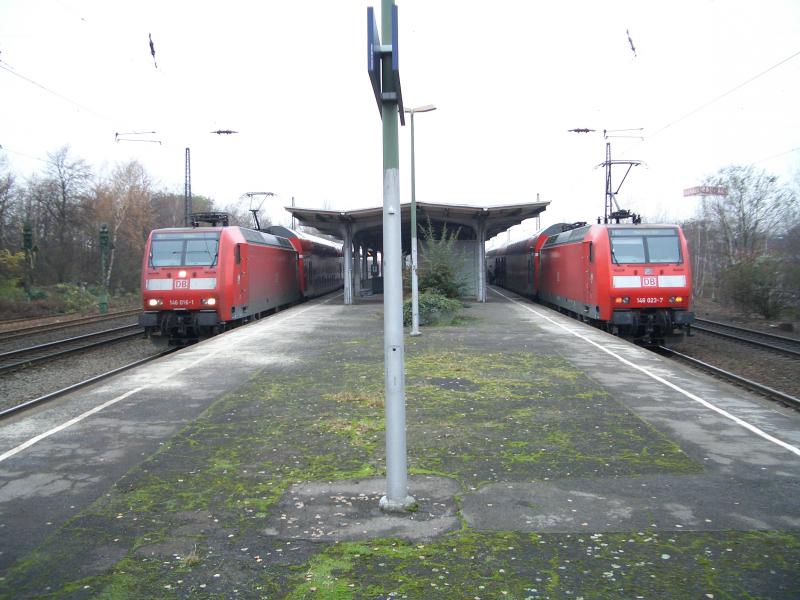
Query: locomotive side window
column 184, row 249
column 639, row 246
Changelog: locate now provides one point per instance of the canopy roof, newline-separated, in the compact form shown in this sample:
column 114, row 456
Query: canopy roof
column 367, row 223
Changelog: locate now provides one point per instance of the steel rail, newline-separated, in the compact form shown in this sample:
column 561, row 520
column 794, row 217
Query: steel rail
column 45, row 357
column 23, row 331
column 13, row 410
column 744, row 382
column 746, row 340
column 775, row 336
column 21, row 319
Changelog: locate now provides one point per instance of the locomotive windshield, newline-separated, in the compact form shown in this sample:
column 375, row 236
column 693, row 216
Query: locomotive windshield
column 187, row 249
column 643, row 245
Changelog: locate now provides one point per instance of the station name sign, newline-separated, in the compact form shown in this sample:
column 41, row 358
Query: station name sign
column 706, row 190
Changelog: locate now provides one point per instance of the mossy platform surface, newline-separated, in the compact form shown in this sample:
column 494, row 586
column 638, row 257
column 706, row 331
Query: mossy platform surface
column 491, row 401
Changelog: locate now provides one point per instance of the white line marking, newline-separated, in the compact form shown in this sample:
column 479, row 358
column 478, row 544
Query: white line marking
column 724, row 413
column 96, row 409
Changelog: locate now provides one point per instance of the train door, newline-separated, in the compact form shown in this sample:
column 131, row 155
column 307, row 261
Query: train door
column 529, row 283
column 588, row 272
column 241, row 275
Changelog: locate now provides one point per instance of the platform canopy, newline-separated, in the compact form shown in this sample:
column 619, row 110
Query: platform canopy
column 496, row 219
column 364, row 228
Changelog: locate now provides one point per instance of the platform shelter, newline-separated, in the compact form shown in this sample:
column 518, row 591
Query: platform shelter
column 362, row 233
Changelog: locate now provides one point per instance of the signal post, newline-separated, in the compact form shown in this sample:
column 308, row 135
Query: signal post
column 384, row 73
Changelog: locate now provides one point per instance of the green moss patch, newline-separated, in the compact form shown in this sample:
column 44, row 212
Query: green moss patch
column 515, row 565
column 190, row 520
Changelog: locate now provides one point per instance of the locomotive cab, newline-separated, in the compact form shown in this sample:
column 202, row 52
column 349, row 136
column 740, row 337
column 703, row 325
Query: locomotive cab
column 179, row 286
column 198, row 282
column 650, row 282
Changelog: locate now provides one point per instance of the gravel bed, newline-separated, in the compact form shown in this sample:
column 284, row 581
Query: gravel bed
column 778, row 371
column 59, row 334
column 32, row 382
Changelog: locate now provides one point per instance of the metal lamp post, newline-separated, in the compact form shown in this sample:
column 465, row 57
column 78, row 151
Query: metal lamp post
column 414, row 281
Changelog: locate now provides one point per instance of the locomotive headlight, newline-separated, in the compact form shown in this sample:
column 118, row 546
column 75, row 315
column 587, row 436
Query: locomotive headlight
column 675, row 299
column 181, row 273
column 155, row 302
column 622, row 300
column 209, row 301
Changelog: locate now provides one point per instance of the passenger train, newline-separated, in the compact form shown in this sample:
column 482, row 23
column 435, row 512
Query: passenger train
column 633, row 280
column 200, row 281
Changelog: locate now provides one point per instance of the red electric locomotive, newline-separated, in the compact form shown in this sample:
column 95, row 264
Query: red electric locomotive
column 198, row 281
column 633, row 280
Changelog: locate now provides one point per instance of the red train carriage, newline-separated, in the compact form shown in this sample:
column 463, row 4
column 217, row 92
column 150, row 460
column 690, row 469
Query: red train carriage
column 320, row 268
column 197, row 282
column 634, row 280
column 517, row 266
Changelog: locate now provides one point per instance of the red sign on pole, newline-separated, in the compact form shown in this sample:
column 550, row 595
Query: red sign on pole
column 706, row 190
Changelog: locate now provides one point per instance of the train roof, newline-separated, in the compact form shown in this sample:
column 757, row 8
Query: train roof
column 526, row 243
column 251, row 235
column 280, row 230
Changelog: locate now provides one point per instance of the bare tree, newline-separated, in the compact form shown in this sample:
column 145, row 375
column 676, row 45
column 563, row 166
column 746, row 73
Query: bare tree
column 60, row 196
column 123, row 203
column 7, row 205
column 756, row 208
column 737, row 240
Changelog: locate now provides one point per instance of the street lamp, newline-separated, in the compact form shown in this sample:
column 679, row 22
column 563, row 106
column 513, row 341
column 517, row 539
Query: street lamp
column 414, row 283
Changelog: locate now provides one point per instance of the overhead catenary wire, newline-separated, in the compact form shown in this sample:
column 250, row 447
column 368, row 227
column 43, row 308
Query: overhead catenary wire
column 5, row 66
column 723, row 95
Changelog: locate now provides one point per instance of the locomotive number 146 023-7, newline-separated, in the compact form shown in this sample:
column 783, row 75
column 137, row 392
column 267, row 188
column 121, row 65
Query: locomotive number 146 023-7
column 650, row 300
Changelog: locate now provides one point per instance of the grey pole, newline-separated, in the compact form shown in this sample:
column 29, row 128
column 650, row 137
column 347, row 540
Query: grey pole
column 414, row 281
column 397, row 498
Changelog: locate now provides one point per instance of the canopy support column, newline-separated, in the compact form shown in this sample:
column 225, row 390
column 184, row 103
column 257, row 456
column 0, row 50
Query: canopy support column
column 481, row 253
column 348, row 263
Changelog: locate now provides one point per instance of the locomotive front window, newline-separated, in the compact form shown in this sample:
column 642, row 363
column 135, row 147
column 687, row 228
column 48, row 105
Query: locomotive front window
column 184, row 249
column 640, row 246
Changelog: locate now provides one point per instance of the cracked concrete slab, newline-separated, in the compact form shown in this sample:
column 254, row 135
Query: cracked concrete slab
column 689, row 503
column 348, row 510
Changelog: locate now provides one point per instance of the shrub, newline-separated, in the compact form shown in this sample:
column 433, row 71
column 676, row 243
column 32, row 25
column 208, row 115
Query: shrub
column 11, row 271
column 755, row 287
column 434, row 309
column 437, row 270
column 75, row 298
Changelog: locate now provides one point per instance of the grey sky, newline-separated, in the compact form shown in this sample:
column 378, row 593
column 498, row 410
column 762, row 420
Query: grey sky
column 508, row 78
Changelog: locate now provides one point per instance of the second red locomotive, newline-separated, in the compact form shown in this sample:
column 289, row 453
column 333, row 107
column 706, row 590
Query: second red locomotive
column 634, row 280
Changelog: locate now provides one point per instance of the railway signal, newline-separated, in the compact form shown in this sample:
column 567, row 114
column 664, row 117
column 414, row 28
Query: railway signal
column 103, row 300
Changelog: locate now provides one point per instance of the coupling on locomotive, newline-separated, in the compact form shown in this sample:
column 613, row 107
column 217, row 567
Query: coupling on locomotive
column 199, row 281
column 633, row 280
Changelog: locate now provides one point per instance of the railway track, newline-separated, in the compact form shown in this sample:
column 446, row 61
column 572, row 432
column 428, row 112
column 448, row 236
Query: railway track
column 24, row 357
column 4, row 322
column 19, row 332
column 749, row 384
column 777, row 343
column 18, row 408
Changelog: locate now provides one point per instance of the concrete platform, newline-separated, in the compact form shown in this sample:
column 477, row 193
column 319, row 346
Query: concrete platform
column 548, row 460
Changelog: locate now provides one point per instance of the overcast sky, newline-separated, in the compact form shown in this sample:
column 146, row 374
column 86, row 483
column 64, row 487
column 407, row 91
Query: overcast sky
column 508, row 80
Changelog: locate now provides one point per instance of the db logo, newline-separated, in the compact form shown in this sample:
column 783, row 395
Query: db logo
column 181, row 284
column 646, row 282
